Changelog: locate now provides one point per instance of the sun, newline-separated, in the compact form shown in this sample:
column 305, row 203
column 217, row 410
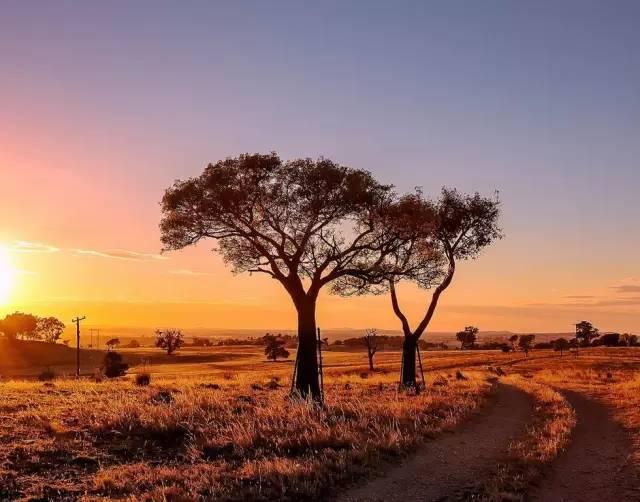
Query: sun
column 6, row 275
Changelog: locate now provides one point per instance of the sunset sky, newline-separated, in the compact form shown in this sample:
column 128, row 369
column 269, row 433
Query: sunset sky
column 104, row 104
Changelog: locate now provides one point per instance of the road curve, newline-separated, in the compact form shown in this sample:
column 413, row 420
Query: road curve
column 448, row 467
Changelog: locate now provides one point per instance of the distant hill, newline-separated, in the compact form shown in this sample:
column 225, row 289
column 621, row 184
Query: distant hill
column 21, row 357
column 146, row 336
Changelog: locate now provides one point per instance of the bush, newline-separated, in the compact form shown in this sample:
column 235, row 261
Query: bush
column 143, row 379
column 113, row 366
column 47, row 375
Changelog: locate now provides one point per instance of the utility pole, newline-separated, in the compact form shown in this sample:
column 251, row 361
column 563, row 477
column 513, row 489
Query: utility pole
column 77, row 321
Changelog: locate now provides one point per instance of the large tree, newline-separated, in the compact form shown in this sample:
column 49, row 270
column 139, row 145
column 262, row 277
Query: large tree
column 19, row 324
column 455, row 227
column 305, row 223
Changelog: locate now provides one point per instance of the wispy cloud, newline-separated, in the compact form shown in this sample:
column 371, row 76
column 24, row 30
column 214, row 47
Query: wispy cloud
column 32, row 247
column 628, row 288
column 119, row 254
column 185, row 271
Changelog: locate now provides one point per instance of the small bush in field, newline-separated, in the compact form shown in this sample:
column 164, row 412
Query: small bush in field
column 228, row 376
column 47, row 375
column 143, row 379
column 273, row 383
column 113, row 366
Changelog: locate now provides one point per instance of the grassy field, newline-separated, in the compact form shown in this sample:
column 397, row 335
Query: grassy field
column 217, row 422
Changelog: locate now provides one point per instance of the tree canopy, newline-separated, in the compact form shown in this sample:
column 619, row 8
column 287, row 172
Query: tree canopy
column 306, row 223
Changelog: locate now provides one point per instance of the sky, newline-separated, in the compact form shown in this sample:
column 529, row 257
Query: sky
column 104, row 104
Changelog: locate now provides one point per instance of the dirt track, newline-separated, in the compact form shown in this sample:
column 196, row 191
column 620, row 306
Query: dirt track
column 595, row 467
column 452, row 465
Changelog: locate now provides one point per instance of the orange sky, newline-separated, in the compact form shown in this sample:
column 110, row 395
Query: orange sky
column 104, row 106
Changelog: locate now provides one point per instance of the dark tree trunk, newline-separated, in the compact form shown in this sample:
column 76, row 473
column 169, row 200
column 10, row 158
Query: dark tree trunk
column 409, row 361
column 370, row 361
column 307, row 378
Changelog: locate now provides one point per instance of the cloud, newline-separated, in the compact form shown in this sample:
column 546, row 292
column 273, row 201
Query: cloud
column 628, row 288
column 120, row 254
column 579, row 297
column 185, row 271
column 33, row 247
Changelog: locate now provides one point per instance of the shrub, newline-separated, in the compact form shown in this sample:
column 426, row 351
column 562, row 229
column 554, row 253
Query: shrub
column 113, row 366
column 47, row 375
column 143, row 379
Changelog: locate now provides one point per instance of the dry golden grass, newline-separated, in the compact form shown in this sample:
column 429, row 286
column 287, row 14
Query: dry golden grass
column 180, row 439
column 213, row 424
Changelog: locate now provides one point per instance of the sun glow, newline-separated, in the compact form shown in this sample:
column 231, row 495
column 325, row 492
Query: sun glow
column 6, row 275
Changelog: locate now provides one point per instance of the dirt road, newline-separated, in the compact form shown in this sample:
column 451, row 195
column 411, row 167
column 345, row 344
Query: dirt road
column 595, row 467
column 452, row 465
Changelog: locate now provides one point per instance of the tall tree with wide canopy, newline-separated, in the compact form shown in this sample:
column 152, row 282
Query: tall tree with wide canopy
column 455, row 227
column 307, row 224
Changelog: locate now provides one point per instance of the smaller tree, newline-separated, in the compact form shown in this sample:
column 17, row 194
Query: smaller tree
column 585, row 332
column 371, row 342
column 525, row 342
column 169, row 340
column 113, row 343
column 113, row 366
column 274, row 347
column 512, row 340
column 560, row 345
column 50, row 329
column 468, row 337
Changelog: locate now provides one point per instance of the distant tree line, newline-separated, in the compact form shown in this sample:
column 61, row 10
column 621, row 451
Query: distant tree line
column 20, row 325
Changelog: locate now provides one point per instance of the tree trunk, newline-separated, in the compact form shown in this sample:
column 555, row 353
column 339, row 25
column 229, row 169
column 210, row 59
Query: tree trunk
column 307, row 378
column 409, row 361
column 370, row 361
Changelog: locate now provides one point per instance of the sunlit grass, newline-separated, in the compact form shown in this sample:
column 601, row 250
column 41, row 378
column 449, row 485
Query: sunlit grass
column 229, row 439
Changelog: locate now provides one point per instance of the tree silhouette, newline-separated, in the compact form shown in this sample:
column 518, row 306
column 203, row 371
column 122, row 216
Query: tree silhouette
column 50, row 329
column 455, row 227
column 19, row 324
column 585, row 332
column 525, row 342
column 371, row 342
column 112, row 343
column 512, row 340
column 307, row 224
column 467, row 338
column 560, row 345
column 274, row 347
column 169, row 340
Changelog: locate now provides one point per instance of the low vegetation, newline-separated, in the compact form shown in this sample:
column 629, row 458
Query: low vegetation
column 188, row 440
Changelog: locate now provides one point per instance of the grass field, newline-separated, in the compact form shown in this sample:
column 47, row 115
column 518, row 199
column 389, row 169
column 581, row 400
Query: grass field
column 217, row 422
